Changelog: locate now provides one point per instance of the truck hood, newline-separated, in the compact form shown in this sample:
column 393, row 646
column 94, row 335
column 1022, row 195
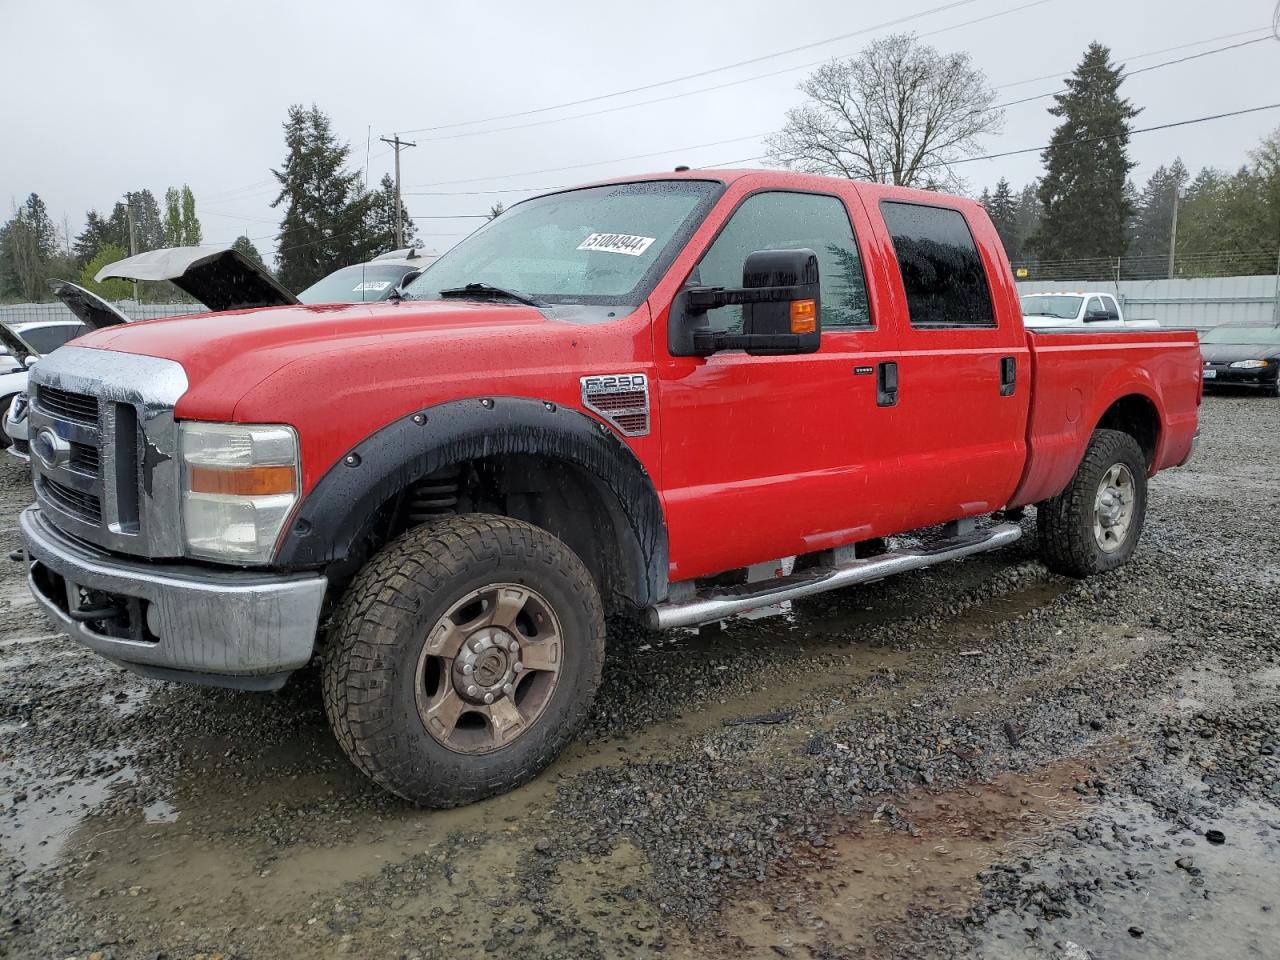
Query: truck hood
column 226, row 354
column 14, row 345
column 221, row 280
column 1231, row 352
column 89, row 308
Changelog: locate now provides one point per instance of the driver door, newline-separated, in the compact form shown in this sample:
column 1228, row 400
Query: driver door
column 767, row 457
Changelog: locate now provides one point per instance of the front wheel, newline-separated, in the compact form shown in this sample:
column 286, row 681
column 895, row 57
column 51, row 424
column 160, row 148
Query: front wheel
column 1094, row 524
column 463, row 659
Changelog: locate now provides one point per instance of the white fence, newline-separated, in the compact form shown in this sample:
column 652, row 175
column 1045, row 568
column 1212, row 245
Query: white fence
column 1201, row 303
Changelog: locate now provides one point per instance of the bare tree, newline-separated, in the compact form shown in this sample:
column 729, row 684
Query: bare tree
column 900, row 112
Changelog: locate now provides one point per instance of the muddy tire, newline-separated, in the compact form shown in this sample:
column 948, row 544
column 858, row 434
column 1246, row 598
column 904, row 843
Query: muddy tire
column 463, row 658
column 1094, row 524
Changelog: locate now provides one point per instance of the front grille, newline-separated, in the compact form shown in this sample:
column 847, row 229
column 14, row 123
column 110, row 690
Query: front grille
column 78, row 407
column 83, row 505
column 86, row 459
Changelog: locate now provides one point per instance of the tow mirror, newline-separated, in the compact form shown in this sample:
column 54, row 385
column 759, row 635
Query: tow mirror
column 1094, row 316
column 781, row 309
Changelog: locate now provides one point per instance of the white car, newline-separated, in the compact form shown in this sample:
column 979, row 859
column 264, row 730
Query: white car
column 1091, row 308
column 44, row 335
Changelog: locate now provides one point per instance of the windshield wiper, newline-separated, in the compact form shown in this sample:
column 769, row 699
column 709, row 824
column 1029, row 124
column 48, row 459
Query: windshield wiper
column 484, row 290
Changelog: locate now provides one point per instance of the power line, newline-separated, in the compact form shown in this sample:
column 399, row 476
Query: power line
column 1014, row 153
column 1132, row 73
column 701, row 73
column 594, row 163
column 718, row 86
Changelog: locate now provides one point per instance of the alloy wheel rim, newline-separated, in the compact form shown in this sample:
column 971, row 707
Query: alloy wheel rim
column 488, row 668
column 1113, row 507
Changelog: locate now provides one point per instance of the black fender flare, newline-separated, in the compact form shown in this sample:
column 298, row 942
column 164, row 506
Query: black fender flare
column 334, row 514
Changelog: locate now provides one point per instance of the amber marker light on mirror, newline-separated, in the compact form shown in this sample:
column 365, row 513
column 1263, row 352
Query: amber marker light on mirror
column 804, row 316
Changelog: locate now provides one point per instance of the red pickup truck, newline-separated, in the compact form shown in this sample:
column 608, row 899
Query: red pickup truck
column 624, row 396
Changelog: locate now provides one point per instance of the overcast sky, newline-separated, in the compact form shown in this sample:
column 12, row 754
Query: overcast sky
column 104, row 97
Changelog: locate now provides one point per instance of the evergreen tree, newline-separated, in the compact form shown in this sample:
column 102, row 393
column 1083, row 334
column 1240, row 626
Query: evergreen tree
column 1003, row 210
column 1027, row 216
column 1085, row 211
column 245, row 246
column 191, row 232
column 98, row 232
column 380, row 224
column 28, row 244
column 324, row 208
column 497, row 210
column 1153, row 218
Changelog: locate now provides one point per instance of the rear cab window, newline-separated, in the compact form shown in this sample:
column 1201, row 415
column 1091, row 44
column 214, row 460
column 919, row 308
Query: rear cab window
column 942, row 272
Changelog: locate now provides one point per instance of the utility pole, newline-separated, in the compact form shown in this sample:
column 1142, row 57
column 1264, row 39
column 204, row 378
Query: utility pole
column 398, row 143
column 1173, row 231
column 133, row 242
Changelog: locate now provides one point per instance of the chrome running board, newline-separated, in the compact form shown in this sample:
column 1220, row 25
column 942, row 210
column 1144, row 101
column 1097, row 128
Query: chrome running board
column 721, row 602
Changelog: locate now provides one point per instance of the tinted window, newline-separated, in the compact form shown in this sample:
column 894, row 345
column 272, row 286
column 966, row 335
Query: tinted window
column 941, row 270
column 1110, row 306
column 791, row 221
column 46, row 339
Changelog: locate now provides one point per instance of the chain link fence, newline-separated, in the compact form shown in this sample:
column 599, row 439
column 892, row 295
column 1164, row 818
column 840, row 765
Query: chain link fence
column 23, row 312
column 1187, row 266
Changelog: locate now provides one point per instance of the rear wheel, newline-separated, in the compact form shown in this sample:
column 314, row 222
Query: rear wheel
column 1094, row 524
column 463, row 659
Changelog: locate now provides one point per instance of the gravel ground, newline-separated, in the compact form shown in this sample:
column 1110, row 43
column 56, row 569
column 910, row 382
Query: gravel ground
column 981, row 760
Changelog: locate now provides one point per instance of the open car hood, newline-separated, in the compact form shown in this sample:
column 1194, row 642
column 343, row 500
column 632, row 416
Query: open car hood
column 14, row 345
column 89, row 308
column 221, row 280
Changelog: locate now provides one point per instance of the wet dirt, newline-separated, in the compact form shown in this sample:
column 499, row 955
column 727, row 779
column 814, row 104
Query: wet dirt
column 933, row 765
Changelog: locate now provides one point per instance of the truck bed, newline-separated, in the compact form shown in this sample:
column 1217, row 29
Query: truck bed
column 1076, row 379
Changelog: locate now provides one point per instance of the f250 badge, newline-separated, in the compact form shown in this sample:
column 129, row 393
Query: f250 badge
column 622, row 399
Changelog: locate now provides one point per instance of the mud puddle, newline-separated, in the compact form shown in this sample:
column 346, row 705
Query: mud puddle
column 852, row 892
column 1165, row 891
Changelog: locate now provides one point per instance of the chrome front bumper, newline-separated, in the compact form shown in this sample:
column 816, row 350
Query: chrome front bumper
column 177, row 621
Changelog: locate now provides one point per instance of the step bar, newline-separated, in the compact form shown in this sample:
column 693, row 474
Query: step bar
column 722, row 602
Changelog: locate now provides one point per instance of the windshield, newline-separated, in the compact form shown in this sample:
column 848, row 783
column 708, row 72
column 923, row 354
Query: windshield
column 598, row 245
column 363, row 281
column 1244, row 336
column 1064, row 308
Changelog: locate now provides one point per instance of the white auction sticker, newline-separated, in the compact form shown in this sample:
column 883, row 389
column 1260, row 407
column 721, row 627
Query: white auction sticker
column 616, row 243
column 376, row 286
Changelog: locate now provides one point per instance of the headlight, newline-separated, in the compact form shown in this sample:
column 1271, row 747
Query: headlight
column 1249, row 364
column 239, row 484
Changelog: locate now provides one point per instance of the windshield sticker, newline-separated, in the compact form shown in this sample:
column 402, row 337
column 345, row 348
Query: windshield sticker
column 616, row 243
column 375, row 286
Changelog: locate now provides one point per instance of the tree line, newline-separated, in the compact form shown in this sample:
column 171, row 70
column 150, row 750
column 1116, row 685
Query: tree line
column 329, row 220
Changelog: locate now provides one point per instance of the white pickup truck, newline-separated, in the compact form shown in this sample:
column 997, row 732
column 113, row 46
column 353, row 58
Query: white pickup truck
column 1093, row 308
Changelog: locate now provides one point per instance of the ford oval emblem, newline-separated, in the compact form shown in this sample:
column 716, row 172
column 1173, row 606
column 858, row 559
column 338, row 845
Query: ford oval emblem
column 50, row 449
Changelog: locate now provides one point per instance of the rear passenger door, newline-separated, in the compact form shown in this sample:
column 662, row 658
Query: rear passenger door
column 964, row 377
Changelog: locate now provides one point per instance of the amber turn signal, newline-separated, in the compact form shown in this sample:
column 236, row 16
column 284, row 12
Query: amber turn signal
column 804, row 316
column 242, row 481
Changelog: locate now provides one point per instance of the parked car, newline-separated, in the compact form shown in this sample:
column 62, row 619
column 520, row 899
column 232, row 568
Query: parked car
column 1064, row 310
column 227, row 280
column 91, row 313
column 621, row 396
column 1240, row 355
column 43, row 335
column 13, row 384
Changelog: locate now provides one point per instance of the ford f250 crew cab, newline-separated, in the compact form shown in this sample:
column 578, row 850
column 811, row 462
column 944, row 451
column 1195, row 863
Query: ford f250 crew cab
column 616, row 397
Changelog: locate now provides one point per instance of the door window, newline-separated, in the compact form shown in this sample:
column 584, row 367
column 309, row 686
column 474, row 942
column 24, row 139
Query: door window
column 942, row 273
column 791, row 221
column 1093, row 310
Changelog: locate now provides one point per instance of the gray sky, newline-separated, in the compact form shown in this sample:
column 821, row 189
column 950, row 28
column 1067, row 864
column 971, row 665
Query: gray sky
column 129, row 94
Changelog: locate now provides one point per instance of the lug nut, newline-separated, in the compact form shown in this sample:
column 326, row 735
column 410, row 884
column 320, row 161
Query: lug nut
column 508, row 689
column 473, row 691
column 513, row 645
column 468, row 669
column 488, row 698
column 518, row 666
